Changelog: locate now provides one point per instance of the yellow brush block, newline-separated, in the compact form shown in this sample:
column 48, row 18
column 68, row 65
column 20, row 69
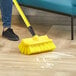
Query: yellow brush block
column 36, row 44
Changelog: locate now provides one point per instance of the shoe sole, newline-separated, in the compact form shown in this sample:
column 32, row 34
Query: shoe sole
column 10, row 38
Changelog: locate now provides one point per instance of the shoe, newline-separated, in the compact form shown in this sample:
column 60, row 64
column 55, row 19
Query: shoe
column 9, row 34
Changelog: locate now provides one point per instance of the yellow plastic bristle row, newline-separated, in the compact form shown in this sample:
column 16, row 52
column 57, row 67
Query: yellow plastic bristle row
column 32, row 49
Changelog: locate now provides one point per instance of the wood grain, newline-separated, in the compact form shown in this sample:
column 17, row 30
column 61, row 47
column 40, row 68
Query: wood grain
column 60, row 62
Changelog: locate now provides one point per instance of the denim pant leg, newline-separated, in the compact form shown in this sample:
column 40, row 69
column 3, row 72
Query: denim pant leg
column 6, row 11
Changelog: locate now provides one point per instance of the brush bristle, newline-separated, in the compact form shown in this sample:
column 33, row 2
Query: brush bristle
column 36, row 47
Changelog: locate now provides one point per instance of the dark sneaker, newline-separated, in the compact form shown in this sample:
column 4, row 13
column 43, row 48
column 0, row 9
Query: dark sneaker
column 9, row 34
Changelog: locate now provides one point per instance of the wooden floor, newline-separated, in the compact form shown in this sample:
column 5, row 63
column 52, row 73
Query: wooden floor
column 60, row 62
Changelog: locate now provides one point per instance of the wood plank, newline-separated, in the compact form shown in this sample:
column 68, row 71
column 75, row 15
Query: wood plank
column 60, row 62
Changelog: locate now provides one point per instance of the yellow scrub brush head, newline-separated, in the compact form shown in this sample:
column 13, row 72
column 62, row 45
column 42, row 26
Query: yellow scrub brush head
column 36, row 45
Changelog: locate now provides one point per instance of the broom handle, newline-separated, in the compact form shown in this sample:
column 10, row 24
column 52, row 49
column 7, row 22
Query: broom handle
column 24, row 17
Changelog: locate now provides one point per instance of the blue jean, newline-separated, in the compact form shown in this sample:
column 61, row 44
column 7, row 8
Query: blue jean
column 6, row 11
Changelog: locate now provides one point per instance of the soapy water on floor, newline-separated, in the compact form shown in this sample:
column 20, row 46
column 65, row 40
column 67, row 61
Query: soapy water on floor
column 48, row 61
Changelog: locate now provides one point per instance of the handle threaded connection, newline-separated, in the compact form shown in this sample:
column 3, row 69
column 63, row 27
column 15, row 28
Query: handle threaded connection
column 31, row 30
